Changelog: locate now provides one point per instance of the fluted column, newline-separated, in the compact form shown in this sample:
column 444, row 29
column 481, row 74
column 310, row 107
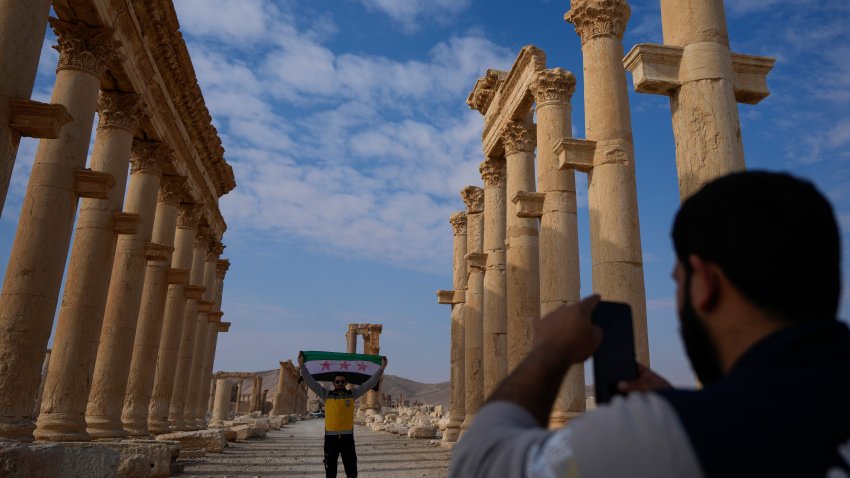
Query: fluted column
column 188, row 335
column 22, row 26
column 495, row 284
column 223, row 388
column 523, row 274
column 559, row 254
column 612, row 188
column 109, row 383
column 75, row 345
column 37, row 260
column 455, row 297
column 175, row 306
column 134, row 415
column 473, row 307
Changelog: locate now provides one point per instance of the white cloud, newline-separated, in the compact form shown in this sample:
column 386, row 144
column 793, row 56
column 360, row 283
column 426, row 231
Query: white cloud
column 409, row 14
column 245, row 21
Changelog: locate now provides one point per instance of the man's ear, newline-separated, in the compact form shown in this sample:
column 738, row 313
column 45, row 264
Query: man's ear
column 705, row 284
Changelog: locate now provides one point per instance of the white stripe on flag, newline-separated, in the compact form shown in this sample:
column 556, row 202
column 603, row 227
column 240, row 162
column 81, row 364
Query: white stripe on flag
column 357, row 366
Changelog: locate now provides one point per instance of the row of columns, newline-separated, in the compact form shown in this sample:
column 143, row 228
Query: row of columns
column 143, row 270
column 288, row 396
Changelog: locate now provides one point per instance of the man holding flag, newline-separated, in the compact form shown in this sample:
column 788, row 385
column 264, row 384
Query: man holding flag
column 339, row 402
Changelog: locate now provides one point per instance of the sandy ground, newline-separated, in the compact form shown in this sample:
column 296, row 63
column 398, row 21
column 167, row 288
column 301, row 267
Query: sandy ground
column 296, row 450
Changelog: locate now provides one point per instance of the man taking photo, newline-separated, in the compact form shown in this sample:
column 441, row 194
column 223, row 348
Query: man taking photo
column 758, row 287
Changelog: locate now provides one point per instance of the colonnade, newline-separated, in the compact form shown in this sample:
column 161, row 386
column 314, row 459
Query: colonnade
column 145, row 278
column 291, row 394
column 519, row 247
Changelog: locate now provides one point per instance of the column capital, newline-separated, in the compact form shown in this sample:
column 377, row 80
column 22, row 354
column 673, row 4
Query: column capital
column 555, row 85
column 149, row 156
column 120, row 110
column 595, row 18
column 224, row 326
column 216, row 249
column 458, row 222
column 171, row 189
column 484, row 91
column 519, row 137
column 84, row 48
column 203, row 238
column 221, row 267
column 473, row 197
column 493, row 173
column 188, row 215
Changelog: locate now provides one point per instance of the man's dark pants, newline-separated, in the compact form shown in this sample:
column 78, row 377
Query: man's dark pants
column 336, row 445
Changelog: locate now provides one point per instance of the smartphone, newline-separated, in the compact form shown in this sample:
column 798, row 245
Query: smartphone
column 614, row 360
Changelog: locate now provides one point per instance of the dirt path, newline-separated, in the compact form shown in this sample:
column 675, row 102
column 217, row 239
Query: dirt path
column 296, row 450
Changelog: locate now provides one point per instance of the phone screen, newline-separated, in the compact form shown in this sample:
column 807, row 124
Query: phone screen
column 614, row 360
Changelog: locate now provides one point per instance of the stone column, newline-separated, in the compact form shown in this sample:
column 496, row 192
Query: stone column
column 609, row 160
column 523, row 273
column 495, row 285
column 256, row 394
column 22, row 26
column 188, row 335
column 216, row 327
column 367, row 349
column 37, row 260
column 455, row 297
column 75, row 345
column 473, row 307
column 559, row 254
column 705, row 81
column 373, row 399
column 278, row 401
column 109, row 382
column 351, row 339
column 223, row 388
column 36, row 409
column 175, row 306
column 134, row 416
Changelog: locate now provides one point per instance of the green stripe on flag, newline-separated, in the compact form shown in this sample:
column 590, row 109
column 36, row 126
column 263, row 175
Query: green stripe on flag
column 312, row 355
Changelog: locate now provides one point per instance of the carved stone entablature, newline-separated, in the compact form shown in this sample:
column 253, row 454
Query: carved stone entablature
column 84, row 48
column 188, row 215
column 120, row 110
column 555, row 85
column 485, row 90
column 458, row 222
column 221, row 267
column 171, row 189
column 149, row 156
column 594, row 18
column 224, row 326
column 493, row 173
column 519, row 138
column 216, row 249
column 473, row 197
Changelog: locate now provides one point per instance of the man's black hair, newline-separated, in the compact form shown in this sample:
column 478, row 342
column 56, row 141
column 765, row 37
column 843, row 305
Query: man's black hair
column 773, row 235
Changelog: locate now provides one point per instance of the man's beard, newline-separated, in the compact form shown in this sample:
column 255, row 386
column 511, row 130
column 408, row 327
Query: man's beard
column 698, row 345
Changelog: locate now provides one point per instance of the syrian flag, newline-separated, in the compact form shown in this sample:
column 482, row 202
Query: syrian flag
column 357, row 368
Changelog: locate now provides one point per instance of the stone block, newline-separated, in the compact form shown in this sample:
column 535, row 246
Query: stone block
column 158, row 455
column 89, row 460
column 230, row 434
column 18, row 460
column 212, row 441
column 275, row 423
column 377, row 427
column 402, row 430
column 422, row 432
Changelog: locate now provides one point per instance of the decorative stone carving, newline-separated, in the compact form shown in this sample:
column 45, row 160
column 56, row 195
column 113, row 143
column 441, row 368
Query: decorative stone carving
column 553, row 85
column 519, row 138
column 149, row 156
column 221, row 267
column 120, row 110
column 493, row 173
column 171, row 189
column 216, row 249
column 593, row 18
column 485, row 90
column 473, row 197
column 82, row 47
column 188, row 215
column 458, row 222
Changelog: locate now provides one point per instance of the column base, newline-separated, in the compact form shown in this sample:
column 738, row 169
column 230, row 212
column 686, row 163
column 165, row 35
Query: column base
column 104, row 427
column 562, row 419
column 17, row 428
column 451, row 435
column 158, row 426
column 57, row 427
column 136, row 426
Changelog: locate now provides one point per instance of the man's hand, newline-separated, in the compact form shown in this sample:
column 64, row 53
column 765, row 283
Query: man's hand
column 567, row 334
column 383, row 362
column 300, row 359
column 647, row 381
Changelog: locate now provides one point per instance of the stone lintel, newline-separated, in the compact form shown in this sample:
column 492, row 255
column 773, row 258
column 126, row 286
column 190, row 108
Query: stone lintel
column 575, row 154
column 205, row 305
column 451, row 296
column 35, row 119
column 177, row 276
column 529, row 204
column 158, row 252
column 224, row 326
column 657, row 69
column 125, row 222
column 195, row 291
column 477, row 260
column 93, row 184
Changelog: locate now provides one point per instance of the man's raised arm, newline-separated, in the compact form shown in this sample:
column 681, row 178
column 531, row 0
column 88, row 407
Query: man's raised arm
column 311, row 382
column 373, row 380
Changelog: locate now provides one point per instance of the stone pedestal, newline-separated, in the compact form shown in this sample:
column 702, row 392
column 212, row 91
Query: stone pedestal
column 175, row 306
column 109, row 382
column 66, row 391
column 495, row 285
column 221, row 408
column 473, row 307
column 37, row 260
column 143, row 364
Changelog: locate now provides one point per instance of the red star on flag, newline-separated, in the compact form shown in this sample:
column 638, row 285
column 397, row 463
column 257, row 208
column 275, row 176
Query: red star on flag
column 326, row 365
column 361, row 366
column 344, row 365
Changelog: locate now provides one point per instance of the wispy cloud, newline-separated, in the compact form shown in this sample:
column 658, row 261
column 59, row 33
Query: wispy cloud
column 409, row 14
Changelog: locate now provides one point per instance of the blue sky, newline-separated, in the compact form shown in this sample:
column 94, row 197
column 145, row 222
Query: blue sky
column 346, row 126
